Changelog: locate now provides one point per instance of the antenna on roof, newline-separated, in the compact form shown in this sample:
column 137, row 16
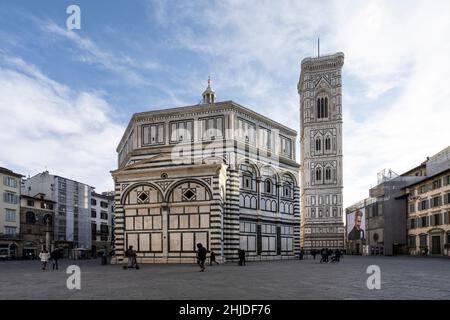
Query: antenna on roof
column 318, row 47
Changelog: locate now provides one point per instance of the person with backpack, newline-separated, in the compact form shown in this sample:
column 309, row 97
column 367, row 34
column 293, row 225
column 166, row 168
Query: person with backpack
column 44, row 256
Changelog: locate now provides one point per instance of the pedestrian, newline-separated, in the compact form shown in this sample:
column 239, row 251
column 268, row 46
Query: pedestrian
column 337, row 255
column 212, row 258
column 55, row 255
column 302, row 252
column 241, row 254
column 313, row 253
column 44, row 256
column 201, row 256
column 324, row 254
column 132, row 258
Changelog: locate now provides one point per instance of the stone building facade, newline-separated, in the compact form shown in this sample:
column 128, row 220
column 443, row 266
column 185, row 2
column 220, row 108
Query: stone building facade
column 101, row 222
column 36, row 224
column 320, row 90
column 429, row 214
column 9, row 213
column 215, row 173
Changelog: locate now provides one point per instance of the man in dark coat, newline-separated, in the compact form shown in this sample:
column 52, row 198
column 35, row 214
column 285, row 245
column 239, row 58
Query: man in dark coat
column 55, row 255
column 241, row 257
column 201, row 256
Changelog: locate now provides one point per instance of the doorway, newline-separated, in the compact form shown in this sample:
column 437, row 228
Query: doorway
column 436, row 245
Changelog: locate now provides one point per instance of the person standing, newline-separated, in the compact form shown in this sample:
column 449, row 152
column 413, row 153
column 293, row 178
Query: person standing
column 44, row 256
column 313, row 253
column 241, row 254
column 55, row 255
column 302, row 253
column 201, row 256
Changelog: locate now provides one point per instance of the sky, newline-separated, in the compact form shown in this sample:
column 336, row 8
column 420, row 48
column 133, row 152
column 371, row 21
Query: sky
column 66, row 96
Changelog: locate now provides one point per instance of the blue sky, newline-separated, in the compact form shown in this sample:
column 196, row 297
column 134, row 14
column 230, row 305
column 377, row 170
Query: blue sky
column 66, row 96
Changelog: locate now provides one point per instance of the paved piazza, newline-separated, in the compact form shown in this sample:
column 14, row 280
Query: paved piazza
column 401, row 278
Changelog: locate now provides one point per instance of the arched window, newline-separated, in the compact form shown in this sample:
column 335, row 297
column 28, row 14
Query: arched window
column 318, row 174
column 48, row 220
column 325, row 114
column 318, row 108
column 318, row 144
column 30, row 217
column 321, row 107
column 268, row 186
column 327, row 143
column 327, row 174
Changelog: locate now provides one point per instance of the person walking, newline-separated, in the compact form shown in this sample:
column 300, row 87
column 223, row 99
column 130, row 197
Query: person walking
column 55, row 255
column 313, row 253
column 212, row 258
column 302, row 253
column 44, row 256
column 132, row 258
column 201, row 256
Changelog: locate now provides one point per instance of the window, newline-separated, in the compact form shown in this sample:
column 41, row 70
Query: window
column 30, row 217
column 447, row 181
column 327, row 144
column 10, row 182
column 10, row 197
column 423, row 240
column 265, row 138
column 437, row 219
column 47, row 206
column 213, row 128
column 412, row 241
column 246, row 131
column 318, row 145
column 327, row 174
column 103, row 204
column 424, row 205
column 411, row 208
column 93, row 202
column 247, row 182
column 93, row 214
column 10, row 231
column 10, row 215
column 436, row 184
column 268, row 186
column 104, row 229
column 412, row 223
column 435, row 202
column 182, row 131
column 153, row 134
column 322, row 108
column 424, row 222
column 318, row 174
column 104, row 215
column 286, row 146
column 30, row 203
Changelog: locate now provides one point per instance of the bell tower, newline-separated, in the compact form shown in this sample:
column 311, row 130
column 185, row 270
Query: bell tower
column 320, row 90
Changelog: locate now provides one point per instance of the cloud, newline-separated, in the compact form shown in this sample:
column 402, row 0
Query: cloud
column 47, row 124
column 395, row 90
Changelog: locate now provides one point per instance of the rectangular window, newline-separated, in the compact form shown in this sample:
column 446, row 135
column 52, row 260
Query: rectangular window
column 103, row 204
column 436, row 184
column 412, row 223
column 93, row 214
column 182, row 131
column 411, row 208
column 10, row 231
column 286, row 146
column 10, row 182
column 10, row 215
column 104, row 215
column 93, row 202
column 212, row 128
column 153, row 134
column 246, row 131
column 10, row 197
column 30, row 203
column 412, row 241
column 265, row 138
column 437, row 219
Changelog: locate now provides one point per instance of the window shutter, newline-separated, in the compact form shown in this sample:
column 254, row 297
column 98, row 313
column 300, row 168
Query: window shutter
column 446, row 217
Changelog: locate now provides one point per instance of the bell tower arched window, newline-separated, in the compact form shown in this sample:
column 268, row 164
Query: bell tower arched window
column 322, row 108
column 327, row 174
column 318, row 174
column 268, row 186
column 318, row 144
column 327, row 144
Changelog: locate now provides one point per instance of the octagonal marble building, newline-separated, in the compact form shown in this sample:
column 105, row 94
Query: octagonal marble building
column 215, row 173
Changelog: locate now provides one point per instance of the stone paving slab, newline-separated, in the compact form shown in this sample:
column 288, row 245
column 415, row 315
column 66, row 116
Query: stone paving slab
column 401, row 278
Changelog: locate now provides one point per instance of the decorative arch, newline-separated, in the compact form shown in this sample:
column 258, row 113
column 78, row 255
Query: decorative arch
column 30, row 217
column 125, row 199
column 208, row 194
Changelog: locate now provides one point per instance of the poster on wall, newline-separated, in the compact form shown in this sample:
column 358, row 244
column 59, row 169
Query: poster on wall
column 356, row 225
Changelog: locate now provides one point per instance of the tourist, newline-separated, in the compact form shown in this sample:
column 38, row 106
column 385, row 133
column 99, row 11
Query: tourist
column 212, row 258
column 44, row 256
column 302, row 252
column 55, row 255
column 313, row 253
column 201, row 256
column 132, row 258
column 241, row 254
column 324, row 254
